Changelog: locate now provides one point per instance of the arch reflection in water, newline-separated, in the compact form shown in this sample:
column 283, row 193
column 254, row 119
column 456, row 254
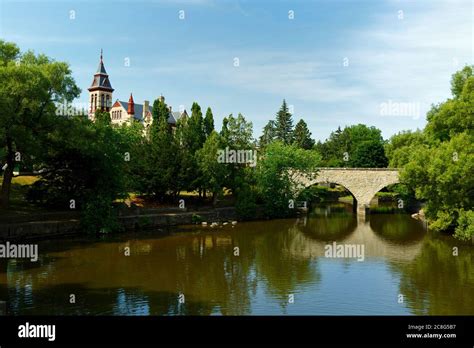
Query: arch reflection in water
column 276, row 259
column 336, row 223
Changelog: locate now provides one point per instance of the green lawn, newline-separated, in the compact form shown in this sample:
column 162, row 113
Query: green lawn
column 18, row 204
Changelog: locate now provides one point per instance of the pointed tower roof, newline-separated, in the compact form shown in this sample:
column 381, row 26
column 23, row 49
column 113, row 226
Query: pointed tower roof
column 101, row 68
column 101, row 78
column 131, row 105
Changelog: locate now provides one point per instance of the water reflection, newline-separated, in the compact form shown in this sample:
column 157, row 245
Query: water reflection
column 251, row 268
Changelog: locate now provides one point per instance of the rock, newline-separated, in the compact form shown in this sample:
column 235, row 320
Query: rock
column 225, row 223
column 234, row 223
column 204, row 223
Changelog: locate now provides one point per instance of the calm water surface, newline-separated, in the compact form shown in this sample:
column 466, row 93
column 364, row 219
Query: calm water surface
column 277, row 259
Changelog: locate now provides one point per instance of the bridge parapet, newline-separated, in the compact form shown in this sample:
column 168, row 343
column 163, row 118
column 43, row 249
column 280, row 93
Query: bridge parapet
column 361, row 169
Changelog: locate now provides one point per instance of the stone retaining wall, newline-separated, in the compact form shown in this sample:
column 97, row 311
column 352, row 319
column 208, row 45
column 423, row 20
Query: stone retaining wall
column 51, row 229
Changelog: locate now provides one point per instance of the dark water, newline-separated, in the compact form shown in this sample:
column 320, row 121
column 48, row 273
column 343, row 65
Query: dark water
column 278, row 261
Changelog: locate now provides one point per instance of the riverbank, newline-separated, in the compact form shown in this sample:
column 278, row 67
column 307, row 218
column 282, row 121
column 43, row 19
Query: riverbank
column 55, row 225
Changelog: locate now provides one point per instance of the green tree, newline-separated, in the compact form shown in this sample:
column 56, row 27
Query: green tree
column 459, row 80
column 137, row 150
column 236, row 134
column 208, row 122
column 82, row 166
column 302, row 136
column 195, row 135
column 284, row 124
column 213, row 172
column 341, row 145
column 30, row 86
column 268, row 135
column 401, row 146
column 159, row 111
column 455, row 115
column 441, row 169
column 369, row 154
column 442, row 177
column 277, row 174
column 162, row 165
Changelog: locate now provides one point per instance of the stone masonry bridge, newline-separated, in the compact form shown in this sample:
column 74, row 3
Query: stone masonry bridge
column 363, row 183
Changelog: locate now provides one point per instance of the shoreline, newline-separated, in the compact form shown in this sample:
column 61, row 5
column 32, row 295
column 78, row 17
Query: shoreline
column 137, row 220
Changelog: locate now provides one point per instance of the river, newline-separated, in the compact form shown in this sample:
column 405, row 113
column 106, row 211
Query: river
column 254, row 268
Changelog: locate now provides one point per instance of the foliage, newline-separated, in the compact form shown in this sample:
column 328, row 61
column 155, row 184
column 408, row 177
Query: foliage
column 236, row 134
column 341, row 148
column 246, row 194
column 369, row 154
column 302, row 136
column 284, row 124
column 401, row 146
column 31, row 85
column 465, row 227
column 277, row 173
column 441, row 171
column 161, row 167
column 159, row 112
column 213, row 172
column 82, row 162
column 269, row 134
column 208, row 122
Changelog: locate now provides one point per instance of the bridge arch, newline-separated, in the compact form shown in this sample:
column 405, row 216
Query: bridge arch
column 362, row 183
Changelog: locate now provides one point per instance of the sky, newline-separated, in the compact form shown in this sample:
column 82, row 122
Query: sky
column 337, row 63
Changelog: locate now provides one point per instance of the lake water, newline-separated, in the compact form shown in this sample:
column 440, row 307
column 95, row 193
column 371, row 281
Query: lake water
column 254, row 268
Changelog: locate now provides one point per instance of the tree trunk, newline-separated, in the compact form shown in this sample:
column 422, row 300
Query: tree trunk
column 7, row 177
column 214, row 199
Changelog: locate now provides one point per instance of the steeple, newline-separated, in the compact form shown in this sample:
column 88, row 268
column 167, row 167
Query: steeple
column 131, row 105
column 100, row 91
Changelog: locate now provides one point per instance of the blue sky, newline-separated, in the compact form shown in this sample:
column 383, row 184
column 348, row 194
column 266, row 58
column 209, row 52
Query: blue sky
column 395, row 52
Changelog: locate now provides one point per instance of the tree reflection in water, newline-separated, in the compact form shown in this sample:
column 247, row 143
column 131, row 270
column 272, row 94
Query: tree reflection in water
column 275, row 259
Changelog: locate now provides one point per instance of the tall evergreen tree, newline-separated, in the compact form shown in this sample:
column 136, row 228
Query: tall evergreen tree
column 269, row 134
column 163, row 166
column 159, row 110
column 284, row 124
column 208, row 122
column 193, row 140
column 303, row 136
column 195, row 136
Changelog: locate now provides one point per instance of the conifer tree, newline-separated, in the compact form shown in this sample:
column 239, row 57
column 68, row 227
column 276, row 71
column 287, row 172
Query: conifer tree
column 269, row 134
column 302, row 135
column 284, row 124
column 208, row 122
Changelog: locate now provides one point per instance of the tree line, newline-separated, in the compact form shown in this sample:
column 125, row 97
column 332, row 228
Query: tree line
column 89, row 165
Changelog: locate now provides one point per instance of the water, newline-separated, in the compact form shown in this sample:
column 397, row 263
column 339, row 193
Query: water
column 277, row 261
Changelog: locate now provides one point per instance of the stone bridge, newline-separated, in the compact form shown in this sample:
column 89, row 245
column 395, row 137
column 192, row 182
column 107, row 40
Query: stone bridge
column 363, row 183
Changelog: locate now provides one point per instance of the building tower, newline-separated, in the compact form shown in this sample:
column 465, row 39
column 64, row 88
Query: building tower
column 100, row 92
column 131, row 106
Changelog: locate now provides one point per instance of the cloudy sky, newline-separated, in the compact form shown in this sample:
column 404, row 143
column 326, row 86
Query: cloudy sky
column 336, row 62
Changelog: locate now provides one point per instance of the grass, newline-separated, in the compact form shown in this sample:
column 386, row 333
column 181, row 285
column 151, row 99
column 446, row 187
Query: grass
column 19, row 188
